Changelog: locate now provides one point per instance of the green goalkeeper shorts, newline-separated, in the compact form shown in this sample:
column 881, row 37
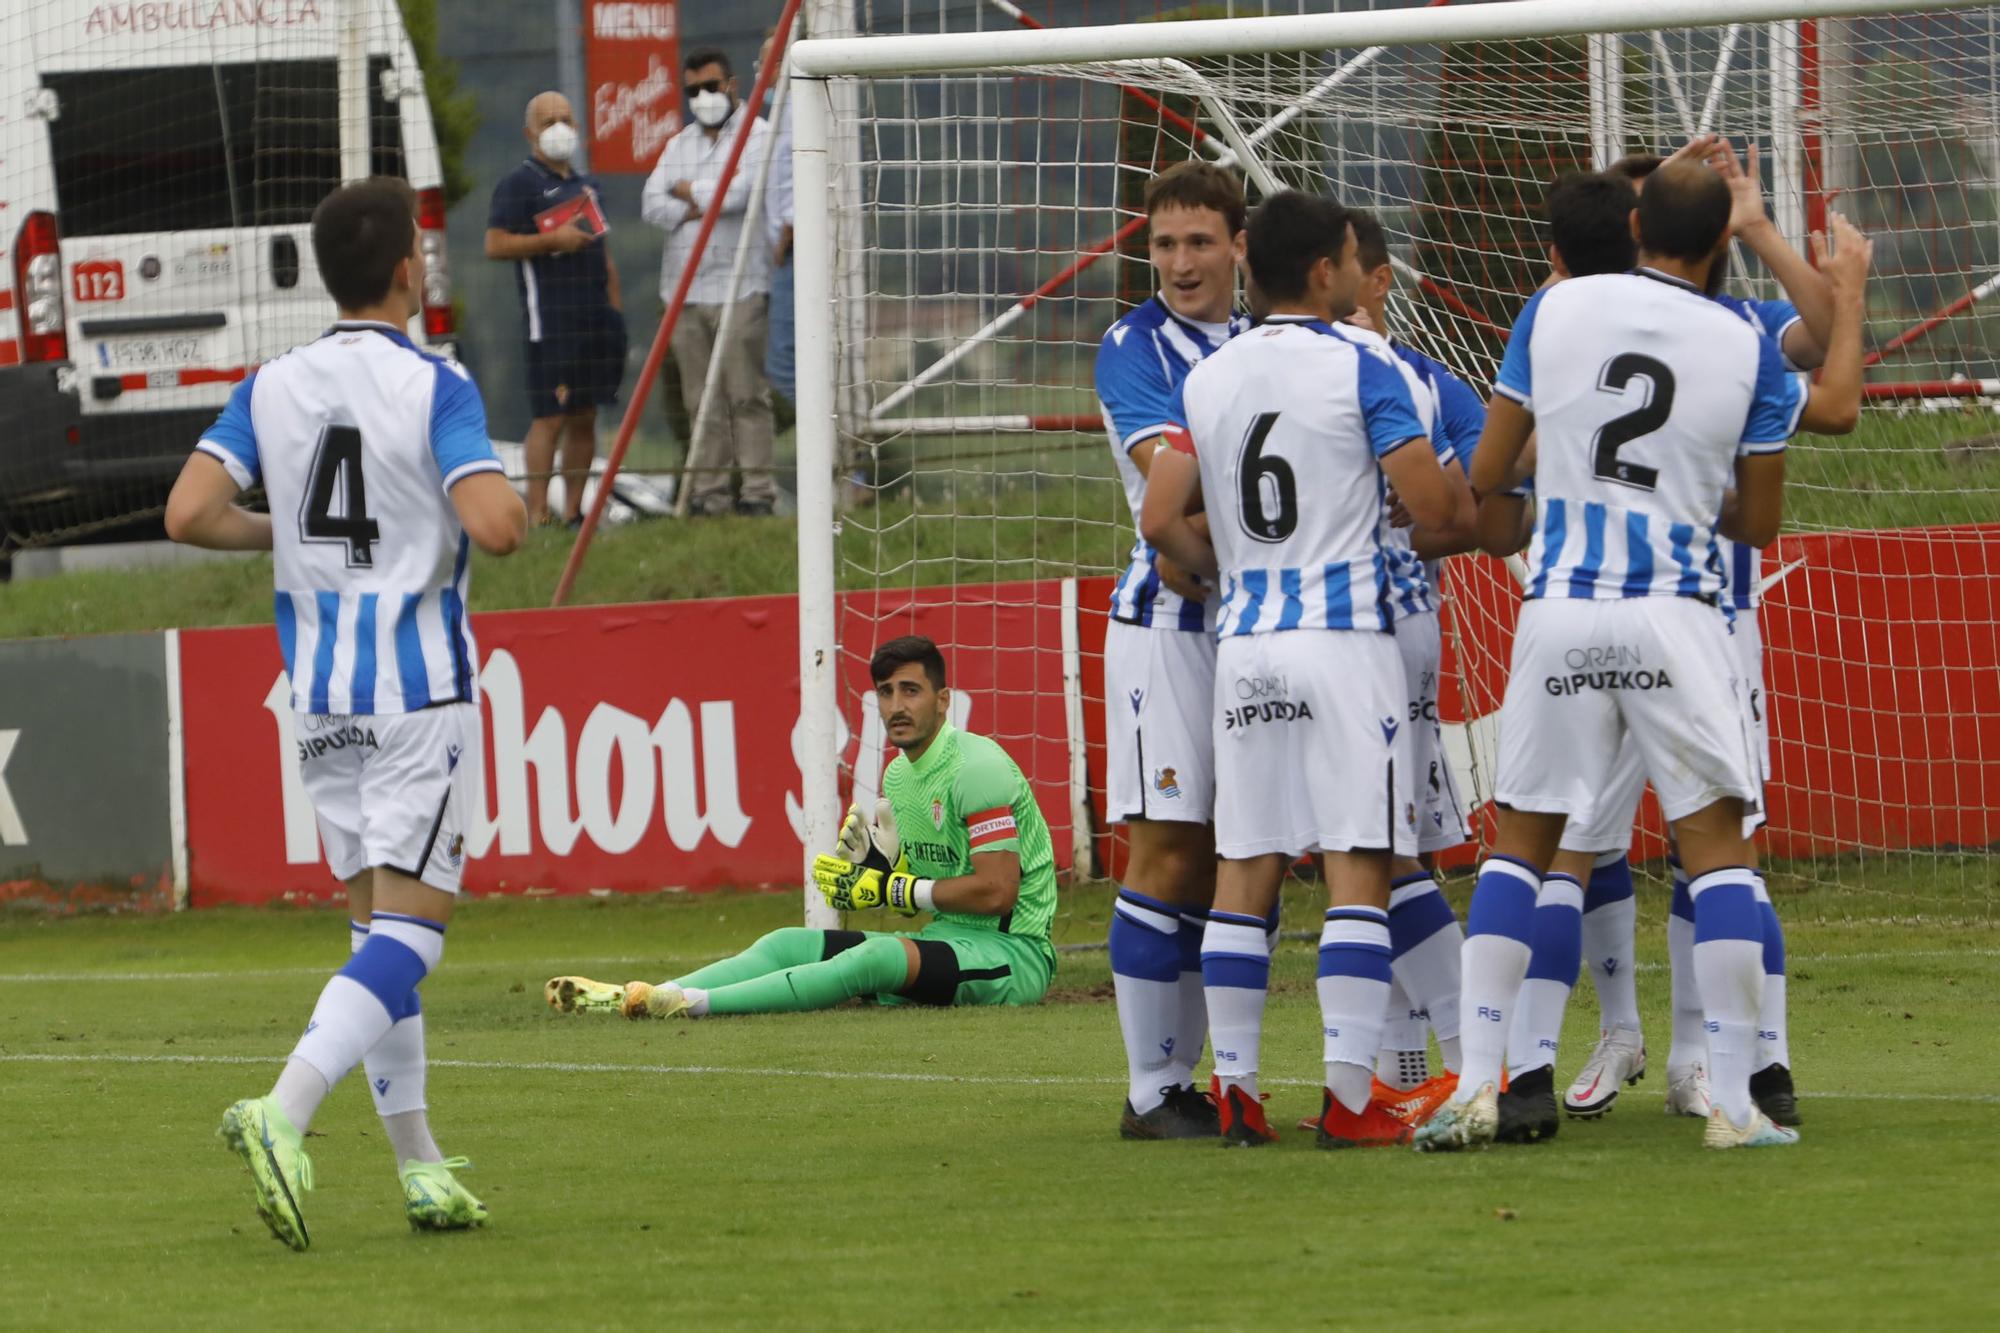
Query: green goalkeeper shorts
column 958, row 966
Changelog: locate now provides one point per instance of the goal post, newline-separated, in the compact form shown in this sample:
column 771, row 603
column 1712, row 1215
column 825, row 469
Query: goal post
column 982, row 230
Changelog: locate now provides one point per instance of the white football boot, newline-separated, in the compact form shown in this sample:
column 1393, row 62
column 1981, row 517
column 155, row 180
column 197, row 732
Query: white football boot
column 1618, row 1058
column 1758, row 1133
column 1468, row 1124
column 1687, row 1091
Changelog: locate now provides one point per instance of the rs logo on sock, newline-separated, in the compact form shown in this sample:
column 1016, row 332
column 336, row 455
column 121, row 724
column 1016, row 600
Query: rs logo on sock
column 1491, row 1013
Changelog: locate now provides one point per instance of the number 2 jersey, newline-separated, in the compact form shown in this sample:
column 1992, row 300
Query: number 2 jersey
column 357, row 439
column 1288, row 422
column 1644, row 393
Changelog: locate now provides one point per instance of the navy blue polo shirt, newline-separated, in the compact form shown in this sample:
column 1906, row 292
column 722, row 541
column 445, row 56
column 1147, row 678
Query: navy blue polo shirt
column 561, row 294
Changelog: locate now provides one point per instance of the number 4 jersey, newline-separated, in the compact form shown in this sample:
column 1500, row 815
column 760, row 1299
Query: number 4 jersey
column 1644, row 393
column 357, row 440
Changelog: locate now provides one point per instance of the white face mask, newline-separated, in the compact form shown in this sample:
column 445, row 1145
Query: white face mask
column 557, row 141
column 711, row 109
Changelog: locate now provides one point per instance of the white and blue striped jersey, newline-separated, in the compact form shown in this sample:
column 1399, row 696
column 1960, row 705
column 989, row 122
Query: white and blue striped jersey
column 1410, row 580
column 1288, row 422
column 1644, row 393
column 1745, row 564
column 1141, row 360
column 356, row 440
column 1458, row 417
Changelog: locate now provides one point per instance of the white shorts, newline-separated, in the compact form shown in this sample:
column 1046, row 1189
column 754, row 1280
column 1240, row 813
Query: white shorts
column 388, row 788
column 1586, row 674
column 1159, row 689
column 1608, row 826
column 1312, row 745
column 1440, row 814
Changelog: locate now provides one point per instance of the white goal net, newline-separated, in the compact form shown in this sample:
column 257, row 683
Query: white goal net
column 984, row 230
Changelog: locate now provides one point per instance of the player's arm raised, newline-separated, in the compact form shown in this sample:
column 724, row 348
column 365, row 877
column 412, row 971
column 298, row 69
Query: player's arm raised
column 1843, row 254
column 1806, row 342
column 1173, row 494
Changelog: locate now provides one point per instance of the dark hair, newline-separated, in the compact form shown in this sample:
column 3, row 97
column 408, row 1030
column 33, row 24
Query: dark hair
column 1590, row 223
column 1371, row 243
column 360, row 233
column 1636, row 166
column 1289, row 233
column 707, row 55
column 1198, row 185
column 1683, row 212
column 903, row 651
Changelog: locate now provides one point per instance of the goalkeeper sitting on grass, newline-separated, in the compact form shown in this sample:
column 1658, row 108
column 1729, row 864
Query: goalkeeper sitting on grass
column 958, row 835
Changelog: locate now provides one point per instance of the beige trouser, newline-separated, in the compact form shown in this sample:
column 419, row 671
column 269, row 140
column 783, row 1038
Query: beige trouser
column 738, row 432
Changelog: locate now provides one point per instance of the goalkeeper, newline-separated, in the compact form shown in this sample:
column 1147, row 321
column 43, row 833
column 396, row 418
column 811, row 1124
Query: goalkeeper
column 958, row 835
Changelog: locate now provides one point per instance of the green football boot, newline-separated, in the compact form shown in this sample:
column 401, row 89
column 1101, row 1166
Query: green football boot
column 279, row 1167
column 581, row 995
column 435, row 1201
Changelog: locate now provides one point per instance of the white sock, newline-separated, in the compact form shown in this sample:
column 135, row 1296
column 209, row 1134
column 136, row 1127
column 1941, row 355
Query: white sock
column 1353, row 989
column 1690, row 1041
column 1404, row 1059
column 1499, row 926
column 697, row 999
column 1610, row 921
column 298, row 1092
column 1146, row 978
column 395, row 1069
column 1191, row 1036
column 1427, row 946
column 1729, row 968
column 1554, row 957
column 1236, row 970
column 1774, row 1045
column 358, row 1006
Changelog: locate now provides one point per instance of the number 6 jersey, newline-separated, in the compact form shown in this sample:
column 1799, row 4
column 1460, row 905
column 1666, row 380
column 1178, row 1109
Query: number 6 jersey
column 1644, row 393
column 1287, row 422
column 357, row 440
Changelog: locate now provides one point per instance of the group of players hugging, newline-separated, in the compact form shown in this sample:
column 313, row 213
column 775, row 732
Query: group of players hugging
column 1271, row 669
column 1271, row 674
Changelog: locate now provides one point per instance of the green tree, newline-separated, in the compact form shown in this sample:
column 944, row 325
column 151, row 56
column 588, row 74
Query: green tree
column 454, row 115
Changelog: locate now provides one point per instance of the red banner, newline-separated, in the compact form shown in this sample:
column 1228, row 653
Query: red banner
column 628, row 748
column 631, row 57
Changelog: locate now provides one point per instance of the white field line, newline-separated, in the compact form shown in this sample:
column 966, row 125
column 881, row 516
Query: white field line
column 825, row 1075
column 44, row 978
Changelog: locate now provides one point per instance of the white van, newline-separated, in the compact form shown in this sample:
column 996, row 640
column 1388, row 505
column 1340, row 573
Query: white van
column 159, row 164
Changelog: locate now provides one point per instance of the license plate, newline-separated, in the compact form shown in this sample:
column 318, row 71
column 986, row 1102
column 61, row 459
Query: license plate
column 205, row 266
column 142, row 353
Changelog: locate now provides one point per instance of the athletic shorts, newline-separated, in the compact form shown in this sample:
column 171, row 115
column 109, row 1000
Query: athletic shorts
column 388, row 789
column 1586, row 674
column 1608, row 827
column 1159, row 688
column 571, row 369
column 1440, row 814
column 1312, row 745
column 957, row 966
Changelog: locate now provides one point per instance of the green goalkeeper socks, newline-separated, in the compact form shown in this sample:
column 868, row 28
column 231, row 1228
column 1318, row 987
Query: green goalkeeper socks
column 791, row 947
column 876, row 966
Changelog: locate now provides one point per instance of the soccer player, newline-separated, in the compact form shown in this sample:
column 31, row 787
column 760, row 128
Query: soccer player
column 1424, row 935
column 1595, row 850
column 1288, row 433
column 958, row 834
column 1159, row 663
column 375, row 460
column 1645, row 396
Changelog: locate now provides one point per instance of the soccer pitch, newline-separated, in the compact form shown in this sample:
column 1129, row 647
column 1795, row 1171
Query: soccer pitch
column 872, row 1168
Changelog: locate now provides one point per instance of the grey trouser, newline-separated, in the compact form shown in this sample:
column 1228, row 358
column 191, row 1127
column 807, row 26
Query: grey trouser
column 738, row 432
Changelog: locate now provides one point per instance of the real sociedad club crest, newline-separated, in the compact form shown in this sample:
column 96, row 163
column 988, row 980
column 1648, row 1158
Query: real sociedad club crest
column 937, row 814
column 1166, row 784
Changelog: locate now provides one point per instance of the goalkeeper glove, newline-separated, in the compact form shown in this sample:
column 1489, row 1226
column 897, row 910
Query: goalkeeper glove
column 872, row 845
column 908, row 894
column 848, row 887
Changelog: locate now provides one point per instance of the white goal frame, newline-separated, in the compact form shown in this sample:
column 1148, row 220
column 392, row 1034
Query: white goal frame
column 820, row 64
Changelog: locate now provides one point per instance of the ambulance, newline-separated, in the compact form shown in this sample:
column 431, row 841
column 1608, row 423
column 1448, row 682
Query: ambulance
column 159, row 165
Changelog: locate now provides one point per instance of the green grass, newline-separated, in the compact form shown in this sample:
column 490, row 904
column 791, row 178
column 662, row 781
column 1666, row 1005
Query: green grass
column 791, row 1184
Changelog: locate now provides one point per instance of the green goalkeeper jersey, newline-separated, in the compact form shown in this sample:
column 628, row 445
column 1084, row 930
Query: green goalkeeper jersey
column 965, row 796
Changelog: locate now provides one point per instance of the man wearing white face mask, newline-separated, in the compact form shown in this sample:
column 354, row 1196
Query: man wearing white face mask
column 548, row 221
column 685, row 185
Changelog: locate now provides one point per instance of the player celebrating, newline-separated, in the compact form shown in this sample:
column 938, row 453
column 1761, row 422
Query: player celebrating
column 986, row 869
column 1645, row 395
column 1595, row 850
column 1159, row 663
column 375, row 459
column 1424, row 936
column 1283, row 430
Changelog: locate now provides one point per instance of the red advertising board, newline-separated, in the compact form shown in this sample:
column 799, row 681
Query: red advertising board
column 631, row 60
column 628, row 748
